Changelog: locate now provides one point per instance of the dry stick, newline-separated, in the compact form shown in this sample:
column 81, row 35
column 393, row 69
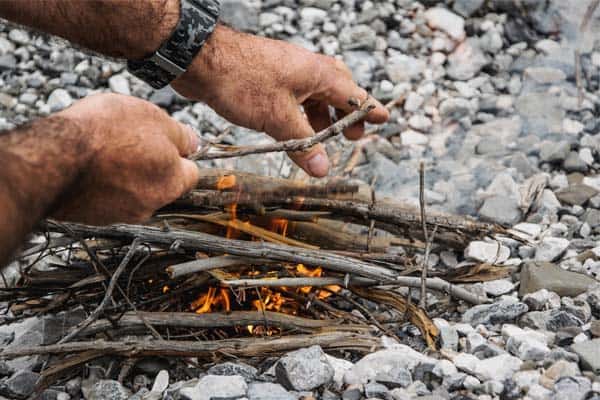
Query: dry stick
column 437, row 284
column 294, row 144
column 423, row 298
column 326, row 259
column 208, row 264
column 130, row 321
column 589, row 12
column 107, row 296
column 248, row 347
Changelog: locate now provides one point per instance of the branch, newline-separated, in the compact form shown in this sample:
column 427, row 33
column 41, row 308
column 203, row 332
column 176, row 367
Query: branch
column 249, row 347
column 294, row 144
column 107, row 296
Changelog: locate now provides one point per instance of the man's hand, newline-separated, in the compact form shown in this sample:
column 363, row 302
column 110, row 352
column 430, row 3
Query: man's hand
column 136, row 163
column 108, row 158
column 260, row 84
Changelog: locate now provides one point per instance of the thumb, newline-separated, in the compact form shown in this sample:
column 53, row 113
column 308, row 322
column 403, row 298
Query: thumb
column 189, row 175
column 295, row 125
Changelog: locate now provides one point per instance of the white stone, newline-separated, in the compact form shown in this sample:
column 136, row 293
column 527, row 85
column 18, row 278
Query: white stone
column 498, row 287
column 585, row 153
column 466, row 362
column 572, row 127
column 420, row 123
column 411, row 137
column 491, row 253
column 442, row 19
column 340, row 366
column 532, row 230
column 383, row 361
column 413, row 102
column 119, row 84
column 59, row 99
column 547, row 46
column 592, row 181
column 544, row 75
column 551, row 248
column 497, row 368
column 161, row 382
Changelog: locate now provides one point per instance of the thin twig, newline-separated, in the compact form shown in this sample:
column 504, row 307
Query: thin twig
column 423, row 298
column 107, row 296
column 294, row 144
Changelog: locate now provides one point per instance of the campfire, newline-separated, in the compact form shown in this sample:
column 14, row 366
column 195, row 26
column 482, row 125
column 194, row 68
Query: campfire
column 235, row 271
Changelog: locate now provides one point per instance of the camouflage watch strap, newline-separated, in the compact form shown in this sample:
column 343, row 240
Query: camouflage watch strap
column 197, row 20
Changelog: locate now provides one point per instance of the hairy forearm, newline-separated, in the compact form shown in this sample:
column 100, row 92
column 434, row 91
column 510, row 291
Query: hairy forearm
column 40, row 162
column 130, row 29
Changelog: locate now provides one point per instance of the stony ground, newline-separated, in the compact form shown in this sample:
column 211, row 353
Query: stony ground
column 506, row 121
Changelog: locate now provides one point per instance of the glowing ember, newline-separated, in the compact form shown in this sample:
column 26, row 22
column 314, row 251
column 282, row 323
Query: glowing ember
column 226, row 182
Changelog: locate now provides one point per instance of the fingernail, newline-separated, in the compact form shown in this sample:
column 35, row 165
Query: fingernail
column 318, row 165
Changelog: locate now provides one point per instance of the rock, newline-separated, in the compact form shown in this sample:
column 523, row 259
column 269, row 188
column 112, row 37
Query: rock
column 543, row 275
column 217, row 387
column 551, row 249
column 455, row 108
column 240, row 14
column 496, row 313
column 161, row 382
column 106, row 390
column 395, row 378
column 59, row 99
column 498, row 287
column 501, row 209
column 551, row 320
column 559, row 369
column 497, row 368
column 445, row 20
column 119, row 84
column 268, row 391
column 577, row 307
column 589, row 354
column 574, row 163
column 466, row 8
column 248, row 372
column 554, row 152
column 541, row 300
column 304, row 369
column 420, row 123
column 466, row 61
column 340, row 366
column 487, row 252
column 448, row 337
column 362, row 64
column 383, row 362
column 543, row 115
column 413, row 102
column 576, row 194
column 527, row 346
column 20, row 385
column 592, row 217
column 545, row 75
column 375, row 390
column 412, row 138
column 402, row 68
column 357, row 37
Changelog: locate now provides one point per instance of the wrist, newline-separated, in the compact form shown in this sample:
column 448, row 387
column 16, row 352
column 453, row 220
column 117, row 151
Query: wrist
column 163, row 16
column 208, row 65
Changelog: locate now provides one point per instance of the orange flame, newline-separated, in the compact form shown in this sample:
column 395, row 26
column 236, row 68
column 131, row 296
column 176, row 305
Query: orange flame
column 279, row 225
column 226, row 182
column 205, row 302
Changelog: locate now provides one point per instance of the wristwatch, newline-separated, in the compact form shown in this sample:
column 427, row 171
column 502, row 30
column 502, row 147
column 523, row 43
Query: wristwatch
column 197, row 20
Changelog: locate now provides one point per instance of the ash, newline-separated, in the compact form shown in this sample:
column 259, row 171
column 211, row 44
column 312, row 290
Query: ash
column 508, row 129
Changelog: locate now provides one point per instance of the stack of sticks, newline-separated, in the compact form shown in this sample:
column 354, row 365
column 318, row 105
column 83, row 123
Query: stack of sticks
column 202, row 276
